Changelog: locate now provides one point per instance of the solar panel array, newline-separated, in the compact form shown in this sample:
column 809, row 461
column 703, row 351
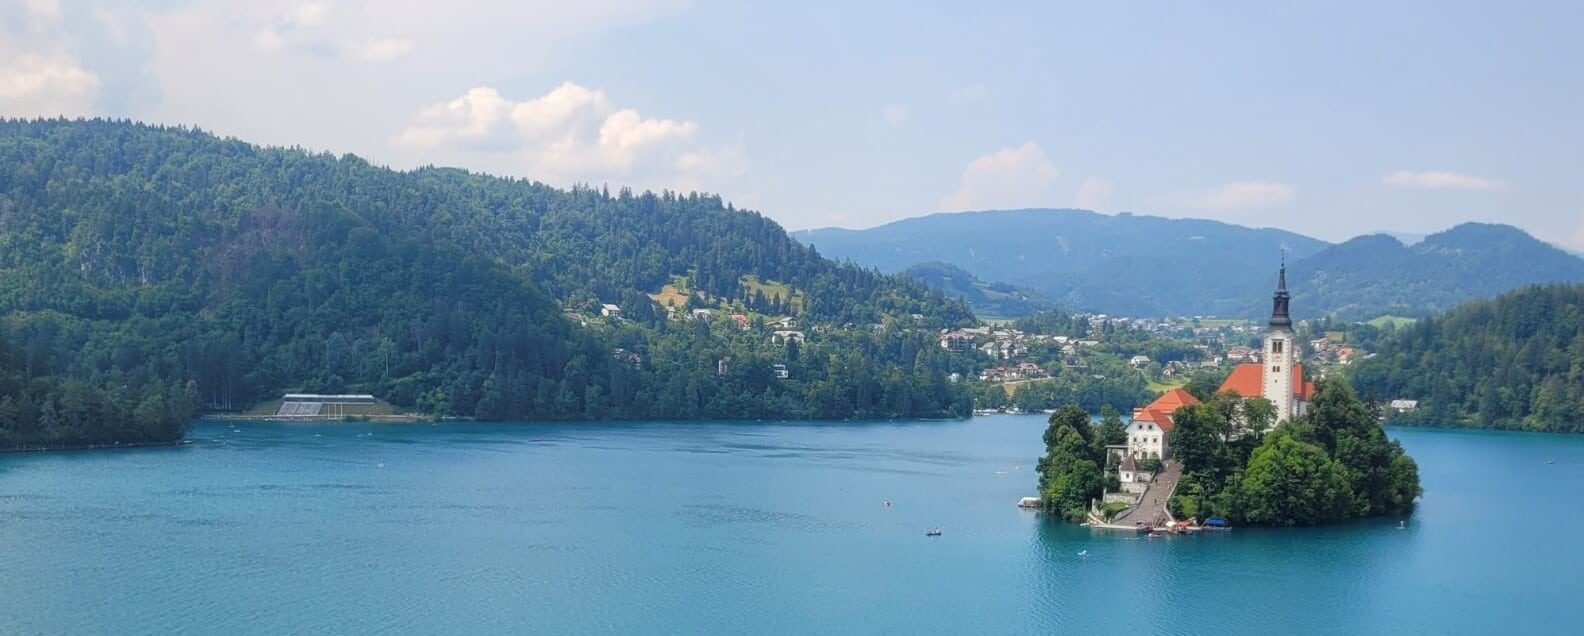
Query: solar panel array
column 299, row 409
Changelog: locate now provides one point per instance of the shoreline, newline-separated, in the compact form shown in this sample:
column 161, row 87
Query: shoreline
column 94, row 447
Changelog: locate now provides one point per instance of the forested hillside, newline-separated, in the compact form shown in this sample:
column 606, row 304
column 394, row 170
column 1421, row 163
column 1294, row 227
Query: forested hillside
column 1516, row 361
column 988, row 300
column 1376, row 274
column 137, row 256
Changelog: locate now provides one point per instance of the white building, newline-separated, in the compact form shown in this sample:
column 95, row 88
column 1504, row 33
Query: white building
column 610, row 311
column 1151, row 424
column 1133, row 480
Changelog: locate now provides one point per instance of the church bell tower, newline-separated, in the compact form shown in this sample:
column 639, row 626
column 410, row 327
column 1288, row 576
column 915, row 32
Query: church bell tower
column 1280, row 353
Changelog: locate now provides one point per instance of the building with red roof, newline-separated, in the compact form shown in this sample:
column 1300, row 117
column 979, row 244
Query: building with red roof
column 1278, row 377
column 1151, row 423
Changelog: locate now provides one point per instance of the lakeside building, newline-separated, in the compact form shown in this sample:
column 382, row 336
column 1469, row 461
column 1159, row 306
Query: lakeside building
column 1279, row 377
column 318, row 405
column 1151, row 424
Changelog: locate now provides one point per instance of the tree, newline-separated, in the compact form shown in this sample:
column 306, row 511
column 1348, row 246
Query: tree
column 1256, row 415
column 1289, row 482
column 1071, row 416
column 1196, row 438
column 1111, row 431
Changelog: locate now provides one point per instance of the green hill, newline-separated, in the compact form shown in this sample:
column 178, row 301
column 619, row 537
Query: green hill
column 1516, row 361
column 1376, row 274
column 139, row 256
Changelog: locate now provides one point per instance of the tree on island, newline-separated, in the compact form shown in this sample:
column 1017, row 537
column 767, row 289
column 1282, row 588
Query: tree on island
column 1070, row 473
column 1333, row 463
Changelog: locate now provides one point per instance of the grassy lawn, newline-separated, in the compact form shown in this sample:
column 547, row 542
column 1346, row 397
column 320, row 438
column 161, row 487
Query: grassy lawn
column 1011, row 388
column 1162, row 386
column 1395, row 321
column 774, row 289
column 673, row 294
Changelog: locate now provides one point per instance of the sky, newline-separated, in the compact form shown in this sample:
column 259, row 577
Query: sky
column 1332, row 119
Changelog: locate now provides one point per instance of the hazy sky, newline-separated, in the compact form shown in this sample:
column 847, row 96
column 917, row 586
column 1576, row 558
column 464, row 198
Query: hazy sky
column 1327, row 118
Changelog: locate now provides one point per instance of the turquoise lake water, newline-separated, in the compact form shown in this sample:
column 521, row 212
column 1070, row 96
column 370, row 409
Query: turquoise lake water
column 702, row 528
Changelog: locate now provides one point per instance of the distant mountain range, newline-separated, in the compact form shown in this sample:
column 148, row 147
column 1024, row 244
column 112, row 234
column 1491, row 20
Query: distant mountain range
column 1144, row 265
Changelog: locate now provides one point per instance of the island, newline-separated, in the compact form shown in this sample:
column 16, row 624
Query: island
column 1270, row 447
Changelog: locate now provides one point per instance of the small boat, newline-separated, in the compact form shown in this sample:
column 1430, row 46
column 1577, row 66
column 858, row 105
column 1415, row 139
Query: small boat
column 1029, row 502
column 932, row 533
column 1402, row 525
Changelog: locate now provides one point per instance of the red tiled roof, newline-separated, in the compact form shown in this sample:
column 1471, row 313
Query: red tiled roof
column 1162, row 419
column 1301, row 389
column 1172, row 400
column 1160, row 411
column 1246, row 379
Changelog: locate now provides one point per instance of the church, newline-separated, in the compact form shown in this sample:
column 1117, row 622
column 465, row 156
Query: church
column 1278, row 376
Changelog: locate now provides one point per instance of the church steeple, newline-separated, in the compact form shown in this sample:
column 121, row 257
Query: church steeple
column 1279, row 317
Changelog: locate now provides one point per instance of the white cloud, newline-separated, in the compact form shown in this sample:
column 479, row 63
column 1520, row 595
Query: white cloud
column 1436, row 179
column 293, row 27
column 476, row 117
column 1238, row 195
column 1093, row 194
column 39, row 75
column 1006, row 178
column 895, row 114
column 572, row 133
column 299, row 72
column 37, row 86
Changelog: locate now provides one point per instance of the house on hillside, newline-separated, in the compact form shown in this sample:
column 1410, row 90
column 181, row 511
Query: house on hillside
column 957, row 341
column 610, row 311
column 783, row 323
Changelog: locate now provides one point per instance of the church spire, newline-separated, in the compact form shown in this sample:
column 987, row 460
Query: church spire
column 1279, row 318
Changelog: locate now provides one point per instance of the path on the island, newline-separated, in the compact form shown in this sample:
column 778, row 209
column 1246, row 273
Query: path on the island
column 1151, row 507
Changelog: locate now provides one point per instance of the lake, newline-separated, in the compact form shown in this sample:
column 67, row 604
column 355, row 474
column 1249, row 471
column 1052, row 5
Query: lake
column 738, row 527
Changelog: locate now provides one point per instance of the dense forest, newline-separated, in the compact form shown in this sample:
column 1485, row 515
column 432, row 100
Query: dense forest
column 42, row 410
column 1515, row 361
column 136, row 258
